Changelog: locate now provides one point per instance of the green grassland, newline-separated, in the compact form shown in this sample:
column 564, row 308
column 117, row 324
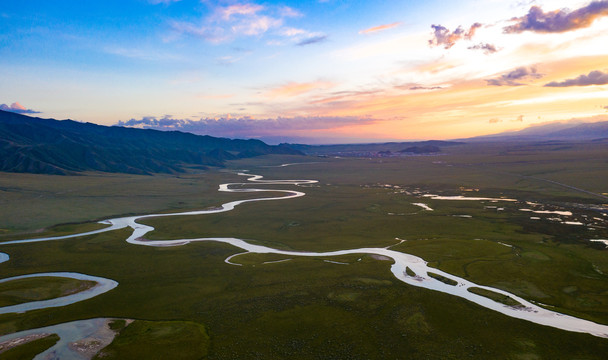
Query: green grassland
column 31, row 202
column 306, row 308
column 158, row 340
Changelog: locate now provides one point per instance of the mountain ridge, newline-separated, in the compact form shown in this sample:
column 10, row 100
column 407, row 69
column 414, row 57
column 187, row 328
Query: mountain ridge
column 61, row 147
column 572, row 131
column 392, row 146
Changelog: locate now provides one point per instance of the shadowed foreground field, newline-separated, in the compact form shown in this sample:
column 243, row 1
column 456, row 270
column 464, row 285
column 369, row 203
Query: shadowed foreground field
column 308, row 308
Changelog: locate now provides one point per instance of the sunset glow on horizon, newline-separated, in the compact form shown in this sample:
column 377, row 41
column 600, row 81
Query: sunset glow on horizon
column 322, row 71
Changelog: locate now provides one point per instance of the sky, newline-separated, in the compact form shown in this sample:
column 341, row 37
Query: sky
column 325, row 71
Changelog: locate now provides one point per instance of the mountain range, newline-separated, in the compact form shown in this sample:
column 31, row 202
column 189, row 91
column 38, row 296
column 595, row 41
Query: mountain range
column 567, row 131
column 418, row 147
column 48, row 146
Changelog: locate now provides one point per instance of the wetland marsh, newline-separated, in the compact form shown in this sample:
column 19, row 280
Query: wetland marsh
column 268, row 307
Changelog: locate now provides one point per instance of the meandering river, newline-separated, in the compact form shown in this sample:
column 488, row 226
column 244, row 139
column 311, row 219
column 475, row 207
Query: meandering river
column 528, row 311
column 103, row 285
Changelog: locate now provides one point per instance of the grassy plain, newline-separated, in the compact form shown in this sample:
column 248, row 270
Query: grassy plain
column 158, row 340
column 32, row 202
column 306, row 308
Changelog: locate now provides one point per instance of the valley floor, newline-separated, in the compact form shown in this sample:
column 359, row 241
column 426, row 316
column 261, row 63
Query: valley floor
column 538, row 247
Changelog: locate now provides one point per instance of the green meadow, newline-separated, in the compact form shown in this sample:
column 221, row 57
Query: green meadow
column 307, row 308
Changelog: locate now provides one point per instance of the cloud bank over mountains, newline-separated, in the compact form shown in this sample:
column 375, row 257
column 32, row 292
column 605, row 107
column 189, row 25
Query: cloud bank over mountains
column 17, row 108
column 247, row 127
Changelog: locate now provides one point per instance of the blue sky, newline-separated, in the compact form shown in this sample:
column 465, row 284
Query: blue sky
column 319, row 71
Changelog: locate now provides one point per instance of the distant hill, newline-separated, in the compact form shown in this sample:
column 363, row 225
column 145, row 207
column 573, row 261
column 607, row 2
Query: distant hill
column 375, row 149
column 424, row 149
column 569, row 131
column 48, row 146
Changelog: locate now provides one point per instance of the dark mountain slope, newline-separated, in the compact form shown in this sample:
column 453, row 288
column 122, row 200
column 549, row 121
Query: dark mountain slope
column 587, row 131
column 552, row 131
column 50, row 146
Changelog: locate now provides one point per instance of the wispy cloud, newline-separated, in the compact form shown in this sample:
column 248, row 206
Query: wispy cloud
column 213, row 34
column 214, row 96
column 241, row 53
column 417, row 87
column 442, row 36
column 247, row 127
column 17, row 108
column 344, row 97
column 141, row 54
column 425, row 88
column 238, row 9
column 487, row 48
column 297, row 36
column 515, row 77
column 166, row 2
column 380, row 28
column 292, row 32
column 593, row 78
column 494, row 121
column 558, row 21
column 228, row 59
column 312, row 40
column 232, row 21
column 292, row 89
column 286, row 11
column 227, row 23
column 520, row 118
